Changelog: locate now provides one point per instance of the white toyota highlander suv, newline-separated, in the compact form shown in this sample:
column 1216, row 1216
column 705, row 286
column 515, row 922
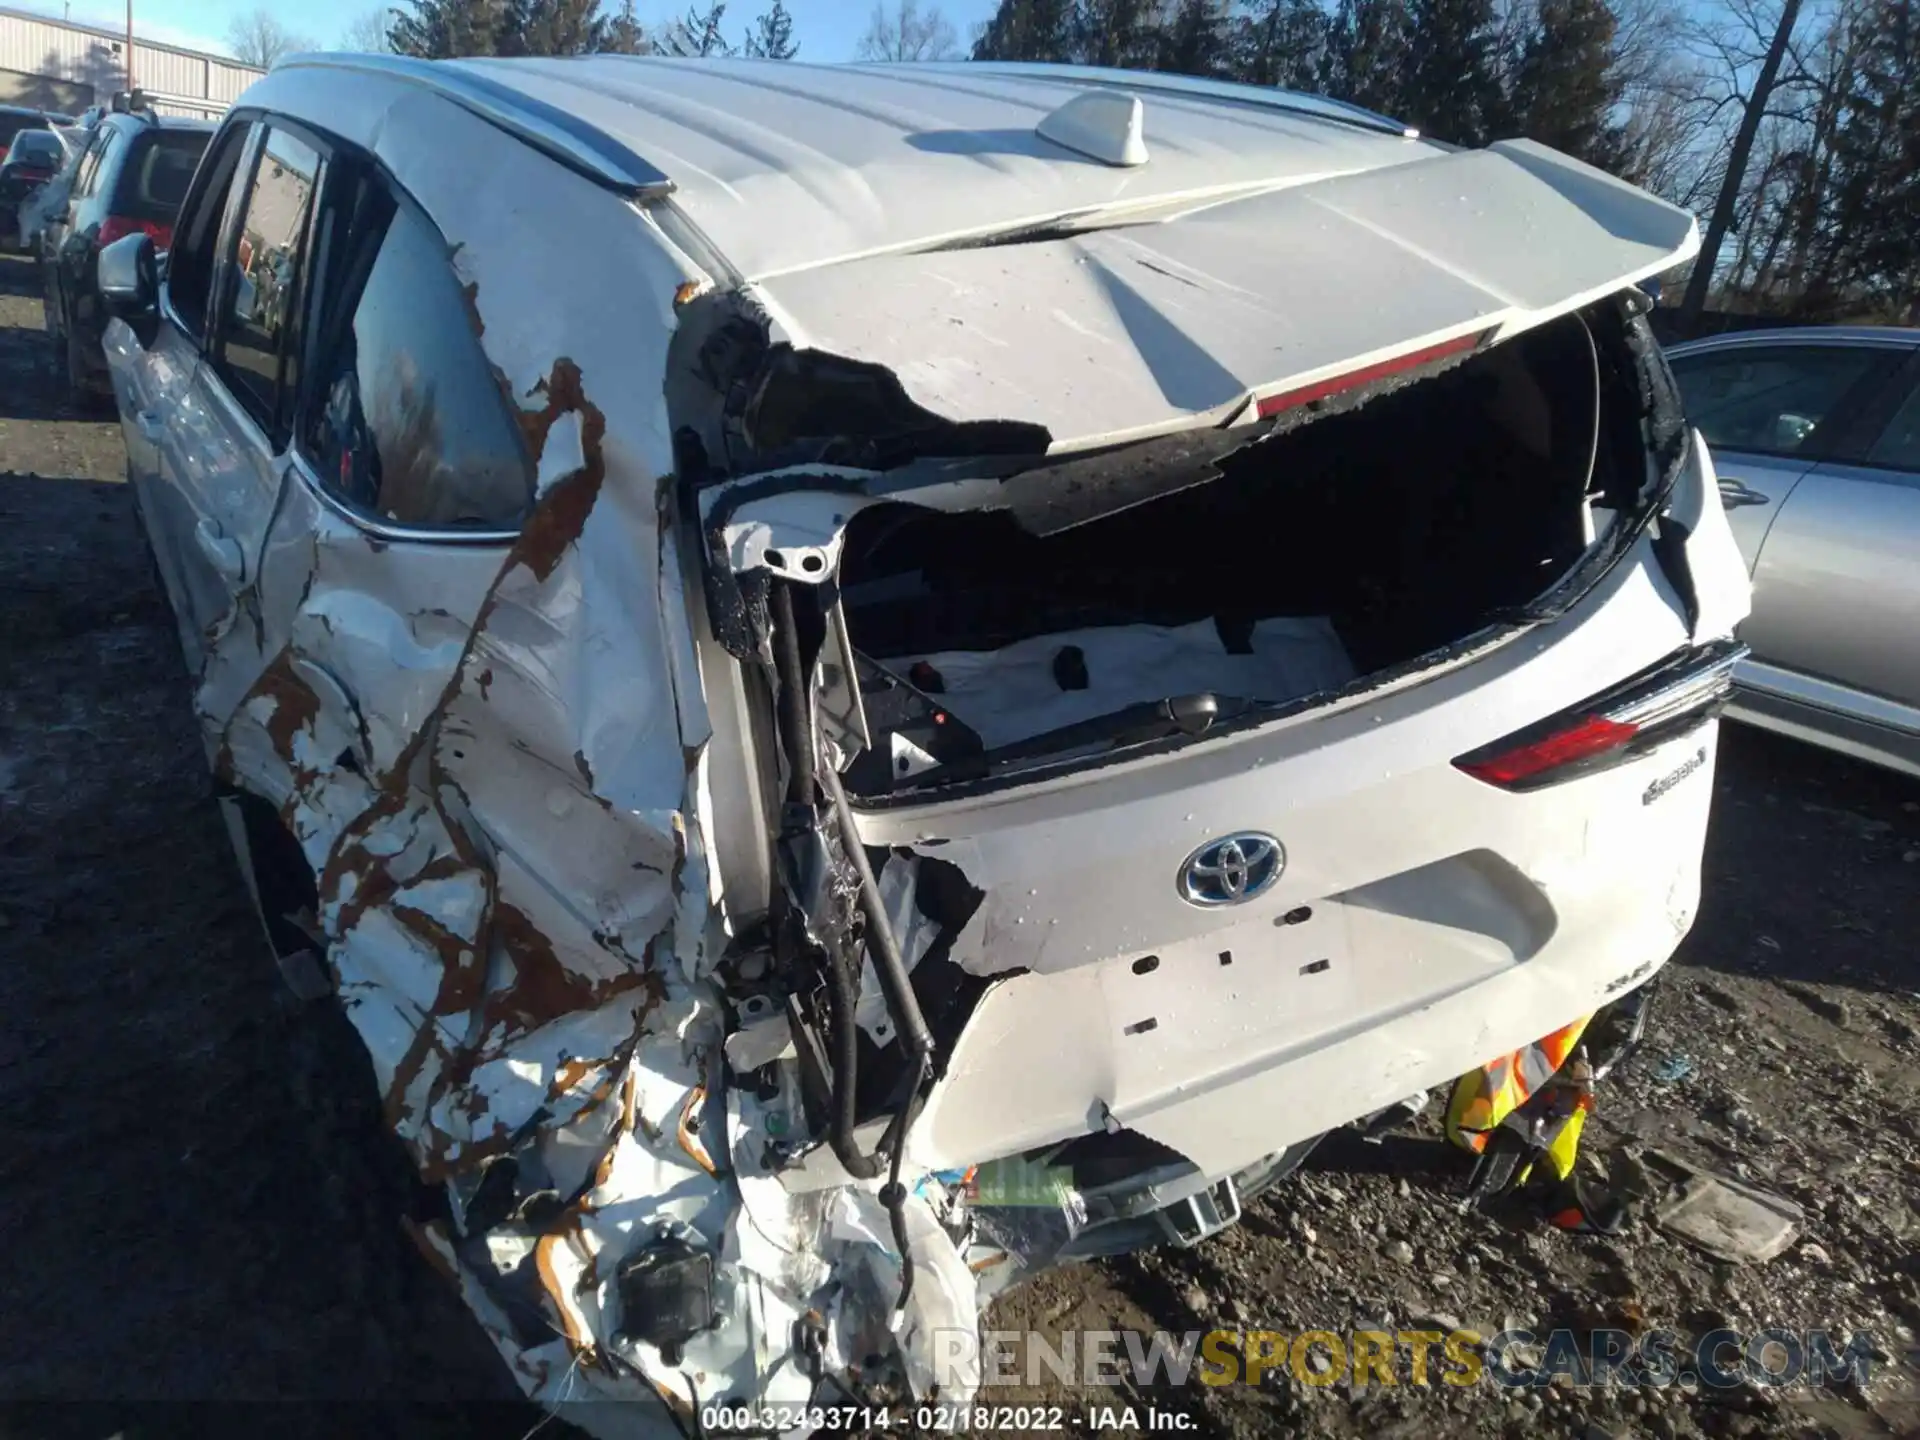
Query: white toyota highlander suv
column 862, row 678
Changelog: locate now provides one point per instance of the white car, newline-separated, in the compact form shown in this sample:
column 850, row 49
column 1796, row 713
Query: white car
column 934, row 664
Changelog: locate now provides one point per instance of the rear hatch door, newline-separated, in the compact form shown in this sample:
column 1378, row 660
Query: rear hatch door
column 1123, row 332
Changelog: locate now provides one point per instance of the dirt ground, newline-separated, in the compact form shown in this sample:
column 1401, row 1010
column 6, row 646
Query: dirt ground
column 198, row 1204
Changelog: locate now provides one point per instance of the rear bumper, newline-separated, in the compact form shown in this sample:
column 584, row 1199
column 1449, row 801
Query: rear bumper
column 1608, row 938
column 1306, row 1029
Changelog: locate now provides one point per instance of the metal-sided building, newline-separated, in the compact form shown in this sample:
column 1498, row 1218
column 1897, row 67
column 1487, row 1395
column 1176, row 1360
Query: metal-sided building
column 63, row 65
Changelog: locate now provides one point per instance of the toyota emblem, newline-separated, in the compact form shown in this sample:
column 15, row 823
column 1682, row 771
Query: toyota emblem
column 1232, row 869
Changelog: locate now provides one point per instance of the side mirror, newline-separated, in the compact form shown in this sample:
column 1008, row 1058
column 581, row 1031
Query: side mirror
column 128, row 276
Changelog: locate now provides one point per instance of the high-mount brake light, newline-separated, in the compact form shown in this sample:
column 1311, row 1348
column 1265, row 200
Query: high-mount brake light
column 1380, row 370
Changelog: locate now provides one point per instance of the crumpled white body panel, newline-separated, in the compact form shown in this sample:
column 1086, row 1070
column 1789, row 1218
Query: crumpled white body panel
column 491, row 757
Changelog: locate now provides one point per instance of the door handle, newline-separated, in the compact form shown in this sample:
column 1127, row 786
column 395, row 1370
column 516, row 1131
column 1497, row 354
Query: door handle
column 222, row 550
column 149, row 425
column 1735, row 493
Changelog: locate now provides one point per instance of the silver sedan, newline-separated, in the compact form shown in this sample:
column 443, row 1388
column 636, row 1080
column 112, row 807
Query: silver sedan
column 1816, row 436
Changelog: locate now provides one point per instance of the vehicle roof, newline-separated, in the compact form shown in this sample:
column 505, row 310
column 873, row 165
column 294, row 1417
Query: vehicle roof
column 853, row 160
column 1817, row 334
column 152, row 120
column 911, row 217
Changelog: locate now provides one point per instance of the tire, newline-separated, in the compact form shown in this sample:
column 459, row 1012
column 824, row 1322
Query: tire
column 83, row 396
column 73, row 374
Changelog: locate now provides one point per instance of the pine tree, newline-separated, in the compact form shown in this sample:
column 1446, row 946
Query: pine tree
column 699, row 33
column 440, row 29
column 1873, row 233
column 1120, row 33
column 1027, row 30
column 1452, row 90
column 1566, row 88
column 624, row 33
column 1280, row 42
column 1365, row 58
column 1195, row 41
column 771, row 37
column 551, row 27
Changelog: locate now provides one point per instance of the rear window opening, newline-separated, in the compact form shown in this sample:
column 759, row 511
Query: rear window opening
column 1339, row 549
column 39, row 148
column 153, row 181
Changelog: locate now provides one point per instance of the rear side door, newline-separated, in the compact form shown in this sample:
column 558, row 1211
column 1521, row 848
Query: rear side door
column 1840, row 571
column 164, row 425
column 233, row 439
column 73, row 251
column 1769, row 411
column 60, row 225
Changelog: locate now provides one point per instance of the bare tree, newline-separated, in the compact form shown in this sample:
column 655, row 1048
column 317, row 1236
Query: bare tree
column 259, row 39
column 366, row 34
column 1753, row 100
column 1666, row 129
column 909, row 33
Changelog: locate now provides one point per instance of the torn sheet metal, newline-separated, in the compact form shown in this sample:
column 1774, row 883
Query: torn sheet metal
column 493, row 759
column 1129, row 332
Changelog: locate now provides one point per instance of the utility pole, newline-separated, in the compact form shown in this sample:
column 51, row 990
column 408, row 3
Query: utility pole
column 129, row 49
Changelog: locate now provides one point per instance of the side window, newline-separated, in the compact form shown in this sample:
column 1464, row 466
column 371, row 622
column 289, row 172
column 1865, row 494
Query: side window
column 1898, row 447
column 1771, row 400
column 262, row 292
column 408, row 422
column 90, row 166
column 196, row 238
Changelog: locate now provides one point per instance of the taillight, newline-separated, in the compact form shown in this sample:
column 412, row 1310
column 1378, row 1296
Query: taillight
column 1367, row 374
column 1679, row 693
column 118, row 227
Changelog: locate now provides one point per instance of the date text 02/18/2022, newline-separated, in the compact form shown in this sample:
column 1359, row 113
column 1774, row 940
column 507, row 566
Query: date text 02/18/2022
column 973, row 1419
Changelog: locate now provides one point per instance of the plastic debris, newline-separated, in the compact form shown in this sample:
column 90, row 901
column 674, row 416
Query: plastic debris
column 1726, row 1218
column 1672, row 1070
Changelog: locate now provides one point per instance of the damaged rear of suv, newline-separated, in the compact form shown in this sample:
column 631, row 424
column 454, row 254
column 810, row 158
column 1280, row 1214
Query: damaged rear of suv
column 990, row 694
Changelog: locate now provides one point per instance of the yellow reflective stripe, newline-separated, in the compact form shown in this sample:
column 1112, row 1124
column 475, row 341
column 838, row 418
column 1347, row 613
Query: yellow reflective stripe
column 1564, row 1149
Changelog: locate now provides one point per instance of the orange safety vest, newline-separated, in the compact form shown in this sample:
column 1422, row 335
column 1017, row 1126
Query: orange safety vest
column 1527, row 1091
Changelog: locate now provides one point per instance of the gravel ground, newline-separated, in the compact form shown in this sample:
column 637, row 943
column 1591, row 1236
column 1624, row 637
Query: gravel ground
column 199, row 1204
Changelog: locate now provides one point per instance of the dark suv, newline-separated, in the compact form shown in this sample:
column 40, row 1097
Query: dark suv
column 131, row 179
column 15, row 118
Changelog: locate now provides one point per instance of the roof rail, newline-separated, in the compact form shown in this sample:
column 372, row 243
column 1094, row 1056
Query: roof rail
column 565, row 138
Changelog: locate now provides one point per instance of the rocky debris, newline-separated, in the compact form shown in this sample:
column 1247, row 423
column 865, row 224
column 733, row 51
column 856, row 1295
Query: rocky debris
column 1826, row 1008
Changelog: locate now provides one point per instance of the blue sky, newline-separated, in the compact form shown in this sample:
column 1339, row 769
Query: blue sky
column 827, row 29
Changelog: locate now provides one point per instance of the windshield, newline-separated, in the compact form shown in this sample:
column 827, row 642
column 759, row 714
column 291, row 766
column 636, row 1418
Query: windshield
column 36, row 147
